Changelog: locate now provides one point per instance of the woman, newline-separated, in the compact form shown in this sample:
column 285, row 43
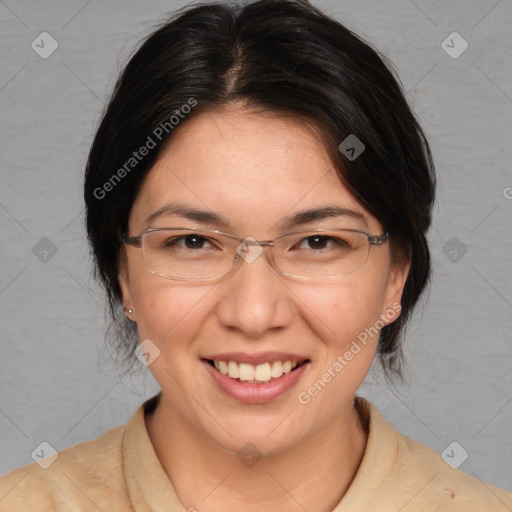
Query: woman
column 258, row 194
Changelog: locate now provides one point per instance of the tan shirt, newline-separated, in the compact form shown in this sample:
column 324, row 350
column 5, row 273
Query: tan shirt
column 120, row 471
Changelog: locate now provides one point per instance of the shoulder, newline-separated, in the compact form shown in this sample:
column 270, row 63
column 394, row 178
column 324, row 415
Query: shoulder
column 83, row 475
column 397, row 473
column 447, row 487
column 444, row 487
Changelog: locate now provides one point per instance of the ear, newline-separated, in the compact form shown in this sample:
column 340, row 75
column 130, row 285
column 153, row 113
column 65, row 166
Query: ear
column 124, row 285
column 395, row 287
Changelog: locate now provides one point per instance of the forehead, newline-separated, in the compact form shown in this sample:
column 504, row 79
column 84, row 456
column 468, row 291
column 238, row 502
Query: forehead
column 251, row 168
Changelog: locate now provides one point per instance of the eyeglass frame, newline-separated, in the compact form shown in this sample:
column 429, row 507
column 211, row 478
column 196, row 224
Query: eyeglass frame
column 136, row 241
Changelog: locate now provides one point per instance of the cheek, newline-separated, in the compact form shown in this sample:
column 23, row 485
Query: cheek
column 169, row 310
column 338, row 312
column 343, row 317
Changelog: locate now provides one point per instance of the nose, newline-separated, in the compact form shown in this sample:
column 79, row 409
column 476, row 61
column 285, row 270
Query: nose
column 254, row 297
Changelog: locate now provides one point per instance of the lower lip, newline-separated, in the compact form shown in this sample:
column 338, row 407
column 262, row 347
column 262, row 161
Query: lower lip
column 253, row 392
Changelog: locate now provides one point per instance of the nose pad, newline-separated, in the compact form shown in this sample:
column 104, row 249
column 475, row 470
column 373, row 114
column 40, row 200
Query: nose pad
column 249, row 250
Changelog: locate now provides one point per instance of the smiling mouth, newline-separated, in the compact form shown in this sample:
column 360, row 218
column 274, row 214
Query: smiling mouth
column 261, row 373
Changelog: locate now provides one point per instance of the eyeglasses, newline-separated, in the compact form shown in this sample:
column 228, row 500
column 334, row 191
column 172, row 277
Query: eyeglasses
column 191, row 254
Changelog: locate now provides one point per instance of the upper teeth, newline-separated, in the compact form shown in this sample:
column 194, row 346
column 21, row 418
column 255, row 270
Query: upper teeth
column 261, row 372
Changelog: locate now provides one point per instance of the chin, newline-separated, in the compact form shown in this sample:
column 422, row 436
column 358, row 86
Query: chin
column 266, row 436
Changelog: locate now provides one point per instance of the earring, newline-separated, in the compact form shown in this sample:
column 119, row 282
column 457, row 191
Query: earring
column 129, row 311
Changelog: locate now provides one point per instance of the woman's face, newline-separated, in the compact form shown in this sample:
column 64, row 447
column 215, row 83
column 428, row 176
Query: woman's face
column 256, row 171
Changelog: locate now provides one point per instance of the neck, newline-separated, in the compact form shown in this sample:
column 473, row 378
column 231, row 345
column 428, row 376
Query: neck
column 313, row 475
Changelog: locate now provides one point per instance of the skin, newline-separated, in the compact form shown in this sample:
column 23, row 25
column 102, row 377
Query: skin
column 254, row 169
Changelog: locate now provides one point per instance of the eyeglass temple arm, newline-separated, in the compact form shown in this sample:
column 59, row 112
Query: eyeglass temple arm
column 378, row 239
column 135, row 241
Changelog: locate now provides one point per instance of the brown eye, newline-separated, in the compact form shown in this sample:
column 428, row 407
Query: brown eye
column 191, row 241
column 317, row 242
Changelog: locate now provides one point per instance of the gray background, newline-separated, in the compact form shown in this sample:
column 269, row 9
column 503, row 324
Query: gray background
column 58, row 382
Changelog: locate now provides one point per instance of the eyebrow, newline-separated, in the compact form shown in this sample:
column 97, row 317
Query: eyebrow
column 292, row 221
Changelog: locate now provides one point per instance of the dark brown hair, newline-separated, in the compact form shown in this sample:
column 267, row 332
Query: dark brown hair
column 279, row 56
